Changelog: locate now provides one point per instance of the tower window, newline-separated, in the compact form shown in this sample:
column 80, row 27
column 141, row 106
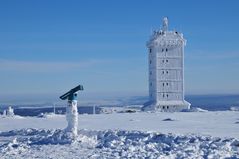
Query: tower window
column 151, row 84
column 163, row 95
column 167, row 107
column 150, row 72
column 150, row 61
column 162, row 72
column 163, row 61
column 163, row 107
column 162, row 50
column 167, row 84
column 150, row 50
column 163, row 84
column 166, row 60
column 167, row 72
column 167, row 95
column 166, row 49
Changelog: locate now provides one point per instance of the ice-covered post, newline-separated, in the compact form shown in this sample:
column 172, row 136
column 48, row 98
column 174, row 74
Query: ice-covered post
column 72, row 114
column 71, row 110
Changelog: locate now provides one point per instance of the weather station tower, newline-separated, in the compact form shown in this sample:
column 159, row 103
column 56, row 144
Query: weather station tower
column 166, row 71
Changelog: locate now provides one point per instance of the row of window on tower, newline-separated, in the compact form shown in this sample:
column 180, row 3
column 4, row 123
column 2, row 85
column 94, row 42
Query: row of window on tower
column 164, row 107
column 164, row 95
column 163, row 61
column 163, row 72
column 166, row 74
column 166, row 50
column 164, row 84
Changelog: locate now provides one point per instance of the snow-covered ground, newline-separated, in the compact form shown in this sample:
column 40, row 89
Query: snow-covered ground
column 124, row 135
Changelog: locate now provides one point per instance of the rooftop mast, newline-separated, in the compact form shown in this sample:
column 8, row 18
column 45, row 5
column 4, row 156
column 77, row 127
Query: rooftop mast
column 165, row 24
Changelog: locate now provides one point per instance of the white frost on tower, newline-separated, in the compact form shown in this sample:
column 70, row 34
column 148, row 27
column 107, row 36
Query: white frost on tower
column 166, row 71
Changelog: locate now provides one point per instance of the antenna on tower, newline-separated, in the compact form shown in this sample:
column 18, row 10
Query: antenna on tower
column 165, row 24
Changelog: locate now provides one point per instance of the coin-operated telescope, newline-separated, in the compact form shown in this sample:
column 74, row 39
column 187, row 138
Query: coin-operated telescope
column 70, row 95
column 71, row 109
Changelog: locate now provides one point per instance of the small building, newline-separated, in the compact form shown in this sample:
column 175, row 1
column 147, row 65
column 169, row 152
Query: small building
column 9, row 112
column 166, row 71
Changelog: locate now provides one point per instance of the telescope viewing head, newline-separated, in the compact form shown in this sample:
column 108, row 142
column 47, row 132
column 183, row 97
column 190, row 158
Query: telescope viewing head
column 72, row 94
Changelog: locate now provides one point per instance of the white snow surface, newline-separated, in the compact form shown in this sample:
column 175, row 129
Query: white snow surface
column 124, row 135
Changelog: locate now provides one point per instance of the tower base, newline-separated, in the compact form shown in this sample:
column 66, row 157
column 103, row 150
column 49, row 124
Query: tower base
column 167, row 106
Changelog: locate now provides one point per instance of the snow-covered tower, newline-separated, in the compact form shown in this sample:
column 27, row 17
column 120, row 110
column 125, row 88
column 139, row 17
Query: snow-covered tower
column 166, row 71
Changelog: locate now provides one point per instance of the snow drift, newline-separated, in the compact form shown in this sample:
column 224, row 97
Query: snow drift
column 42, row 143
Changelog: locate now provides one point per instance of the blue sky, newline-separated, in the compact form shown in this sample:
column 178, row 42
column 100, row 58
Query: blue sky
column 48, row 47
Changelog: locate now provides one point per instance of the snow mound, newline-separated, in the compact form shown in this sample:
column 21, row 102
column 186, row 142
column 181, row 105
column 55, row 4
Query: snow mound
column 195, row 109
column 41, row 136
column 40, row 143
column 234, row 108
column 47, row 115
column 15, row 116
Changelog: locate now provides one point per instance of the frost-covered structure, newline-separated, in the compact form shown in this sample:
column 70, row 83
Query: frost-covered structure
column 72, row 116
column 9, row 112
column 71, row 111
column 166, row 70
